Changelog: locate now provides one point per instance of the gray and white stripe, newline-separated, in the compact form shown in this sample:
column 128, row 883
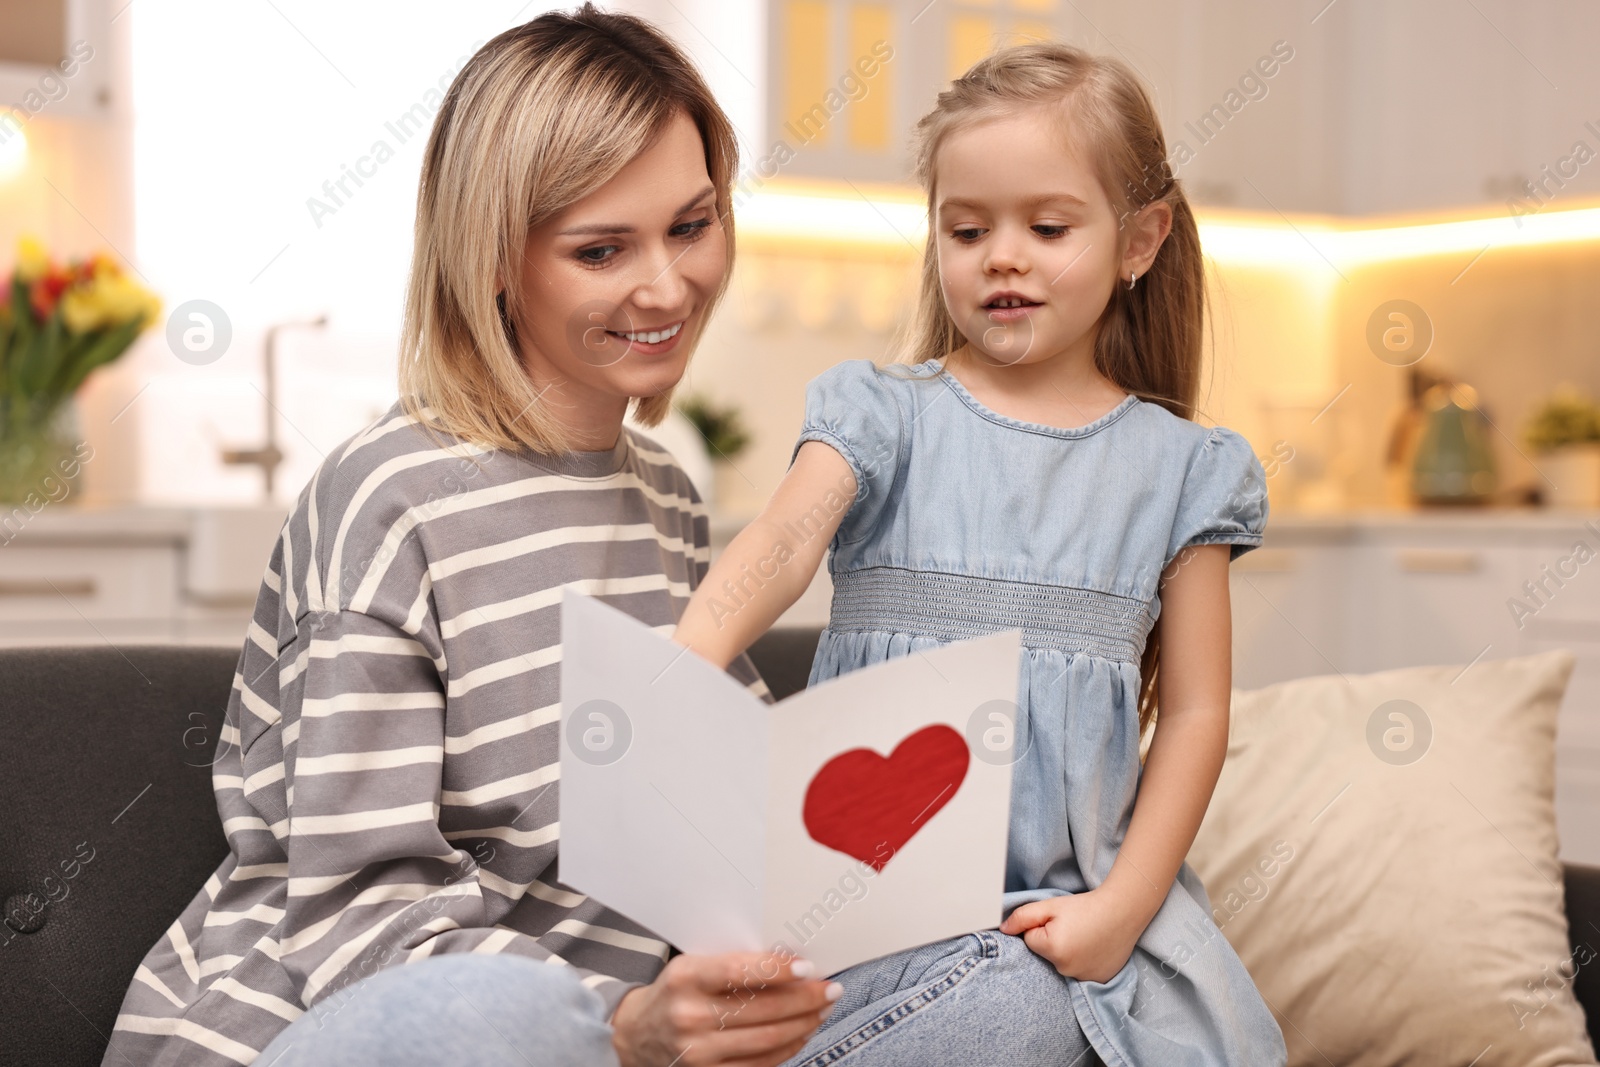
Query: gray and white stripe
column 389, row 774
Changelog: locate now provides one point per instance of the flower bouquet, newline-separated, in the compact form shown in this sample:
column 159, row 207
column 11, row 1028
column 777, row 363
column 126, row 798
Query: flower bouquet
column 57, row 324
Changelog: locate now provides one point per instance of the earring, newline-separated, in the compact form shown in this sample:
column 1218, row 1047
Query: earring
column 1132, row 277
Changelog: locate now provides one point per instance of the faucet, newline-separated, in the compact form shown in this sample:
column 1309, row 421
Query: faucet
column 268, row 456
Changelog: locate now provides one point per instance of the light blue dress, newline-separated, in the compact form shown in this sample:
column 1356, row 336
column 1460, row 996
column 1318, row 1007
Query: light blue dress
column 968, row 522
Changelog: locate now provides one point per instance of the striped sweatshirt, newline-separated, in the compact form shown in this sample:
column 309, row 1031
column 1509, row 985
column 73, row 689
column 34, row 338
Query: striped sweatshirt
column 387, row 776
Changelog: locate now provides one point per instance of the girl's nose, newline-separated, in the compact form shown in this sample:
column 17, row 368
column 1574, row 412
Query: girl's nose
column 1006, row 252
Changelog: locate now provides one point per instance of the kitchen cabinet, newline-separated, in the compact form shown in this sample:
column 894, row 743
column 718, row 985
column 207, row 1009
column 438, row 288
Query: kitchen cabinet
column 54, row 60
column 1288, row 611
column 132, row 575
column 1568, row 616
column 1377, row 592
column 1370, row 107
column 128, row 592
column 1430, row 599
column 1384, row 108
column 1449, row 104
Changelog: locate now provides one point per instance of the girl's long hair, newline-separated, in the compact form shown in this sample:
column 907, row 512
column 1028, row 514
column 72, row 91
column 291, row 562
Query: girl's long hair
column 1150, row 336
column 542, row 116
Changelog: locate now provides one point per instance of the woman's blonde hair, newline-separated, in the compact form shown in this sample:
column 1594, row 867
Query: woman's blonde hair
column 542, row 116
column 1149, row 342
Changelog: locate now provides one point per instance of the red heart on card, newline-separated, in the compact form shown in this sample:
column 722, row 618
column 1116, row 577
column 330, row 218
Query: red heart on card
column 866, row 806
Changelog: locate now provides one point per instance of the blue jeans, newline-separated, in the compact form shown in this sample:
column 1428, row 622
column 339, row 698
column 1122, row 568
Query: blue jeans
column 981, row 998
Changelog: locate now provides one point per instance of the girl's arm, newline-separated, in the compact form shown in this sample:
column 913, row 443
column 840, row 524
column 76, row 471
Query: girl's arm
column 1091, row 935
column 771, row 562
column 1194, row 689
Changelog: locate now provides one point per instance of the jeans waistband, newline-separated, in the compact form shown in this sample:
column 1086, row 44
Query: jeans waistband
column 953, row 607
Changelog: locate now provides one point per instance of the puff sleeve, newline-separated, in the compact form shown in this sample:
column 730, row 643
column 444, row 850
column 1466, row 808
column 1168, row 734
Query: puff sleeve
column 852, row 406
column 1223, row 499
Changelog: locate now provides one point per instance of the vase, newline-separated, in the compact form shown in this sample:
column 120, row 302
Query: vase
column 40, row 456
column 1574, row 472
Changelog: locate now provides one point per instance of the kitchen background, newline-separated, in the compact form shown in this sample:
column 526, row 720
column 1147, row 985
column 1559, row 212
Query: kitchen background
column 1392, row 198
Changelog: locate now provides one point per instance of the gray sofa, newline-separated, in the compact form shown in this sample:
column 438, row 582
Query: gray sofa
column 108, row 827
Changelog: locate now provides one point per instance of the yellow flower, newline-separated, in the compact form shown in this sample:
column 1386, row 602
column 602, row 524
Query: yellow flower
column 80, row 309
column 32, row 262
column 109, row 299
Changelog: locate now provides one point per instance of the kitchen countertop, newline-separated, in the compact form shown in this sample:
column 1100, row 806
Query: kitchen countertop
column 222, row 549
column 1338, row 525
column 114, row 524
column 123, row 523
column 1477, row 525
column 56, row 524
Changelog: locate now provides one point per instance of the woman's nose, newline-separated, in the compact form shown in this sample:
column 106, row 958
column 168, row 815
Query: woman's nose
column 665, row 286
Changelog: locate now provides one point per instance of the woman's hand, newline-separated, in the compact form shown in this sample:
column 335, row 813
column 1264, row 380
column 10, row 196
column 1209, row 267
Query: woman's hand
column 746, row 1008
column 1088, row 935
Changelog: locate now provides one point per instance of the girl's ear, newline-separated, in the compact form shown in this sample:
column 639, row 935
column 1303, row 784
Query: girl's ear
column 1147, row 229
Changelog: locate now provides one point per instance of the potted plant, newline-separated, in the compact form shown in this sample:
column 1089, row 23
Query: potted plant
column 57, row 324
column 722, row 427
column 1565, row 430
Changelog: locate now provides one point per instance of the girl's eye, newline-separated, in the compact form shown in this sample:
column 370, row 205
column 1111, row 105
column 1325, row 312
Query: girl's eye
column 1046, row 230
column 967, row 233
column 692, row 230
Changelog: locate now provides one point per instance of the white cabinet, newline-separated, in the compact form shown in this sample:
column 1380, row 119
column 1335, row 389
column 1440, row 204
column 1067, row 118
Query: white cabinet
column 132, row 575
column 1380, row 592
column 1383, row 108
column 42, row 587
column 1453, row 103
column 1288, row 612
column 1380, row 107
column 1432, row 600
column 1565, row 604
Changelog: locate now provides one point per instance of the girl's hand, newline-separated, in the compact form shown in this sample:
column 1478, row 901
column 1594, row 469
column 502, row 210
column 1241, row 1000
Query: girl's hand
column 739, row 1008
column 1088, row 936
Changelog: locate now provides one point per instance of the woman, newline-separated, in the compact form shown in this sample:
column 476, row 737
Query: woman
column 388, row 779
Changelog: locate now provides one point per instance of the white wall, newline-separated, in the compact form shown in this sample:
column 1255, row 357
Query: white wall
column 242, row 114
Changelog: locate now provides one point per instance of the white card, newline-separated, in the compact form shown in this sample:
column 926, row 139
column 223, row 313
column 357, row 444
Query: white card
column 858, row 818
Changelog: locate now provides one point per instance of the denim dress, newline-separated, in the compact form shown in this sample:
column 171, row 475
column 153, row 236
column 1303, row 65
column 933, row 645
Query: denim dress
column 968, row 522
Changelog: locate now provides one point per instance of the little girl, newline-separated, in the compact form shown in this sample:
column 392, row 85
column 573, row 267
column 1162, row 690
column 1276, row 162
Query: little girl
column 1032, row 463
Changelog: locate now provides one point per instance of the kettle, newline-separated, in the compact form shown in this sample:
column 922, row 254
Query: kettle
column 1454, row 463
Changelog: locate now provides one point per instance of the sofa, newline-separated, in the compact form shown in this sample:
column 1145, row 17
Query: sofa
column 110, row 827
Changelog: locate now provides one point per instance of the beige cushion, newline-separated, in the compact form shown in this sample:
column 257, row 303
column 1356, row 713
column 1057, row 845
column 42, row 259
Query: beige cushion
column 1396, row 912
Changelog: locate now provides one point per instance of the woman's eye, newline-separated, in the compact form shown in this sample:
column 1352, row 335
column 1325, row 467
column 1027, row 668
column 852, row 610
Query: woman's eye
column 1045, row 230
column 692, row 230
column 596, row 256
column 967, row 233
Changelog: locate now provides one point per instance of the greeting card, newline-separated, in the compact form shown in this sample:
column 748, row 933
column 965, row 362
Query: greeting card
column 860, row 817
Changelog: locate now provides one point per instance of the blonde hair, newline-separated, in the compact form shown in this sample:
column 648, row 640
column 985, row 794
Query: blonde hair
column 1149, row 342
column 542, row 116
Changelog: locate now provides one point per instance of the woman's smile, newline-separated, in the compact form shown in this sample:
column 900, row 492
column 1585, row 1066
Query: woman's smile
column 653, row 341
